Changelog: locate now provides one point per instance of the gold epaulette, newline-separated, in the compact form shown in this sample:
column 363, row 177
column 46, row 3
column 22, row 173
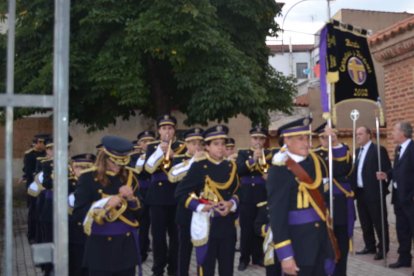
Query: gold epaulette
column 261, row 204
column 28, row 151
column 179, row 155
column 153, row 142
column 200, row 158
column 40, row 158
column 91, row 169
column 274, row 148
column 46, row 160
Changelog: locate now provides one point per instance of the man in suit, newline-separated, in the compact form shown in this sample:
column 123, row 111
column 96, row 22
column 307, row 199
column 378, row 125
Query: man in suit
column 402, row 175
column 367, row 192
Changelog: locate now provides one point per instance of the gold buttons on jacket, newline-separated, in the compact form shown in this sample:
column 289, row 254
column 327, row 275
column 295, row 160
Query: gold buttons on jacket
column 160, row 184
column 109, row 238
column 316, row 224
column 128, row 234
column 253, row 184
column 79, row 223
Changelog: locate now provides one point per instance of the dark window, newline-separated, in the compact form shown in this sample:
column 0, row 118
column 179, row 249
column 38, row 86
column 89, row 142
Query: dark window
column 301, row 69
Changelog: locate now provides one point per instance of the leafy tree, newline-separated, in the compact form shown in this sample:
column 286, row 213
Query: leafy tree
column 206, row 58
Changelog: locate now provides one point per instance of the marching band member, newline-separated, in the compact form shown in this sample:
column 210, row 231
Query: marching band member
column 181, row 164
column 160, row 196
column 252, row 166
column 209, row 190
column 107, row 197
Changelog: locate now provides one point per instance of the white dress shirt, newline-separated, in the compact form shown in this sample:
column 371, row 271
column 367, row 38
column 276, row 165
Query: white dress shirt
column 362, row 154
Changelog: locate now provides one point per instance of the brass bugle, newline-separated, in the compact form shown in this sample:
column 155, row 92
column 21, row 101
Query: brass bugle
column 110, row 214
column 166, row 163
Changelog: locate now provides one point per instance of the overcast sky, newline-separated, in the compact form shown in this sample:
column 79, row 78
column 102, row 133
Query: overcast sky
column 304, row 19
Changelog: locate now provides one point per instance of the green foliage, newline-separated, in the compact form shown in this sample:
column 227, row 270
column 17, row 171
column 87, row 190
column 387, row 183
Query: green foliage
column 206, row 58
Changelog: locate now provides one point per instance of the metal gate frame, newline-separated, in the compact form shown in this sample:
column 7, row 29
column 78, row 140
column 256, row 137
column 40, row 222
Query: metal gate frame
column 59, row 102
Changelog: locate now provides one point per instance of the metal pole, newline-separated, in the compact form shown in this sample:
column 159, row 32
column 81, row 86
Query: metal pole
column 330, row 154
column 8, row 208
column 384, row 252
column 354, row 117
column 60, row 132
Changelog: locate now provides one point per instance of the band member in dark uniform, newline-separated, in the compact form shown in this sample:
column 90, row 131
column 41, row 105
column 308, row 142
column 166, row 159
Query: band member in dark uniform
column 252, row 166
column 160, row 196
column 231, row 152
column 297, row 210
column 29, row 170
column 107, row 197
column 262, row 229
column 181, row 164
column 209, row 190
column 343, row 200
column 144, row 138
column 77, row 237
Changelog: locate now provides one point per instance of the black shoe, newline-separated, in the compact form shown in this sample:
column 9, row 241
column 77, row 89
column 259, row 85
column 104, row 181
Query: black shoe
column 366, row 251
column 399, row 264
column 242, row 267
column 378, row 256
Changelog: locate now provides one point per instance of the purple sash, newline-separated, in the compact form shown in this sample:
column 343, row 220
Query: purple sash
column 256, row 179
column 303, row 216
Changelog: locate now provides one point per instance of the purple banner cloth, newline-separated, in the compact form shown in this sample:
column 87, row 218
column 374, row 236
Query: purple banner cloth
column 303, row 216
column 257, row 179
column 323, row 49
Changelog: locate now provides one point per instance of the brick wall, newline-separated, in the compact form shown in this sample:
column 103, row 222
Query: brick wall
column 23, row 132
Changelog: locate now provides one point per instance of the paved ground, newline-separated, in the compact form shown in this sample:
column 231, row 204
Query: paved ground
column 357, row 265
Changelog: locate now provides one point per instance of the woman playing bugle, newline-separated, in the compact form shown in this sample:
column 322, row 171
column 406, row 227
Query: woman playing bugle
column 107, row 198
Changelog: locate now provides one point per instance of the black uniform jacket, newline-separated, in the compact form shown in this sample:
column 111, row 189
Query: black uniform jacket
column 183, row 215
column 222, row 179
column 342, row 168
column 104, row 252
column 29, row 164
column 369, row 169
column 403, row 174
column 161, row 191
column 302, row 241
column 252, row 184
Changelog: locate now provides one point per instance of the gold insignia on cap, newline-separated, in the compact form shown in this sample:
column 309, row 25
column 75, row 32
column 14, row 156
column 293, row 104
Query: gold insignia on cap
column 219, row 128
column 258, row 128
column 306, row 122
column 197, row 130
column 166, row 117
column 146, row 133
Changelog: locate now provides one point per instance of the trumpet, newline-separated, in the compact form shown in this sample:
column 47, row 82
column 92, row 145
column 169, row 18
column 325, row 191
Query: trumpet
column 262, row 163
column 166, row 163
column 109, row 214
column 262, row 160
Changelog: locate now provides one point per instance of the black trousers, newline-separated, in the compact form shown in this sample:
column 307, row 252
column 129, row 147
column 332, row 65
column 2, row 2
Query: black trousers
column 163, row 222
column 369, row 213
column 223, row 251
column 75, row 259
column 31, row 218
column 405, row 230
column 316, row 270
column 126, row 272
column 250, row 243
column 144, row 227
column 341, row 234
column 185, row 248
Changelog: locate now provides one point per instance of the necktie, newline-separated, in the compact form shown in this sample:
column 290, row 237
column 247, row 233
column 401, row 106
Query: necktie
column 361, row 150
column 397, row 154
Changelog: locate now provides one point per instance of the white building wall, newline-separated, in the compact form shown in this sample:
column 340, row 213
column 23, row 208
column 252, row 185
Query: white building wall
column 286, row 62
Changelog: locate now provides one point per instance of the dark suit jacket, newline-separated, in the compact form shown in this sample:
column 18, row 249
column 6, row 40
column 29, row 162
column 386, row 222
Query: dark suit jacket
column 369, row 169
column 403, row 174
